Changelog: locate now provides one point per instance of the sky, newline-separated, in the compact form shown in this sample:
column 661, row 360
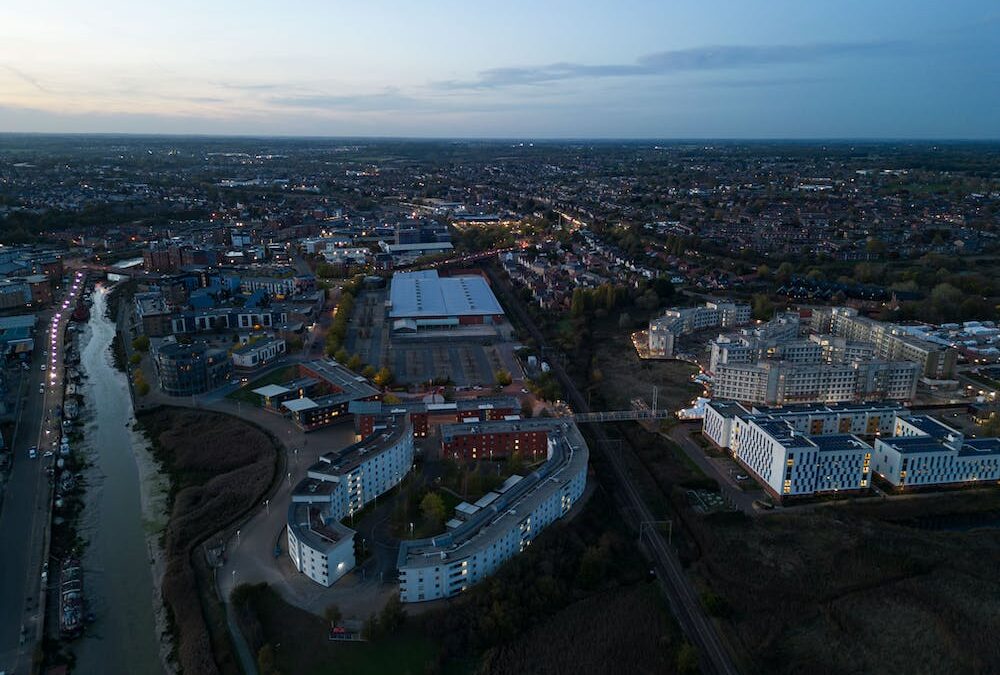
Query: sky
column 511, row 69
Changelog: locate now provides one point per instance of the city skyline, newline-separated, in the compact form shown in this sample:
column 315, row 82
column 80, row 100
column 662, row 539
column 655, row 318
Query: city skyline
column 633, row 70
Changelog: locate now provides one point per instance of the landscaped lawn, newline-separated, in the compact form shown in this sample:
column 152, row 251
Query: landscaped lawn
column 405, row 651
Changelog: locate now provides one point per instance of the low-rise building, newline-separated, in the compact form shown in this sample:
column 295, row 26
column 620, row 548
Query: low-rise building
column 258, row 353
column 319, row 396
column 422, row 299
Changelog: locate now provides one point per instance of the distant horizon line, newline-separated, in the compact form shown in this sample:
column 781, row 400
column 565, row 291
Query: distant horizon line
column 515, row 139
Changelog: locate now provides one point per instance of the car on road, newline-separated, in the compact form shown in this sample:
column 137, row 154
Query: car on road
column 32, row 452
column 48, row 453
column 43, row 366
column 742, row 476
column 41, row 389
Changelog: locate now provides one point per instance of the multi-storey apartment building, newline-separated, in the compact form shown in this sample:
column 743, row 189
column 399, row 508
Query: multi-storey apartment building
column 863, row 419
column 337, row 486
column 890, row 341
column 495, row 439
column 673, row 323
column 486, row 534
column 779, row 382
column 788, row 462
column 189, row 369
column 926, row 452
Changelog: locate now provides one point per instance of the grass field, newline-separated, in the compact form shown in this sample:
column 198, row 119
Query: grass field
column 245, row 393
column 840, row 590
column 405, row 651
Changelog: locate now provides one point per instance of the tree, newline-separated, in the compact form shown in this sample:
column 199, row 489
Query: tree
column 648, row 300
column 527, row 410
column 946, row 301
column 763, row 308
column 763, row 271
column 875, row 245
column 354, row 363
column 503, row 377
column 432, row 508
column 341, row 355
column 332, row 614
column 141, row 343
column 265, row 659
column 392, row 615
column 135, row 359
column 687, row 658
column 784, row 272
column 383, row 377
column 578, row 306
column 369, row 371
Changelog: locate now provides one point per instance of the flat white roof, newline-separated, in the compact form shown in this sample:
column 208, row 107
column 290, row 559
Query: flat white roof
column 300, row 404
column 271, row 390
column 425, row 294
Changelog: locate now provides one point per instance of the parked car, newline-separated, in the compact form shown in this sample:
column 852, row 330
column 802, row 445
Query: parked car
column 32, row 452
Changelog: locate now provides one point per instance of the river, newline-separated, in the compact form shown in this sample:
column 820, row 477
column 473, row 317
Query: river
column 119, row 581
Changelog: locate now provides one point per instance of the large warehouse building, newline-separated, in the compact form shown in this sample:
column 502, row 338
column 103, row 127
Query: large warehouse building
column 425, row 300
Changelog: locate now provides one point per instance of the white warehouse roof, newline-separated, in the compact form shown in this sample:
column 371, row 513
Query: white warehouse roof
column 425, row 294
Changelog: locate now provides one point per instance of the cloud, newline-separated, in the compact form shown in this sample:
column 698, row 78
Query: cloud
column 250, row 86
column 20, row 74
column 698, row 59
column 389, row 99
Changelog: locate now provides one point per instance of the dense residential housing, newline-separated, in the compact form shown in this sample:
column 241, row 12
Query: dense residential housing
column 484, row 535
column 339, row 485
column 664, row 330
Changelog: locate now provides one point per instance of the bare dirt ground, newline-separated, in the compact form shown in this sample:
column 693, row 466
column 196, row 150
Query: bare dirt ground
column 625, row 376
